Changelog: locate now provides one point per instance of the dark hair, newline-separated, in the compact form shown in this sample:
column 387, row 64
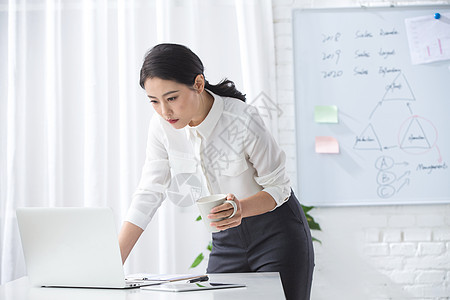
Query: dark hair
column 178, row 63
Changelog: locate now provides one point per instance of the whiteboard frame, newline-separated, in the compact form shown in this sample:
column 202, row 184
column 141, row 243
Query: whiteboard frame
column 317, row 203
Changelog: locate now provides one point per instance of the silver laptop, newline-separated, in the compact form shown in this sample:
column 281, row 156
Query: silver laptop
column 72, row 247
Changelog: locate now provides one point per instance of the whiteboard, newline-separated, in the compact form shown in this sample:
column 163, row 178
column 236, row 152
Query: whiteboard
column 393, row 117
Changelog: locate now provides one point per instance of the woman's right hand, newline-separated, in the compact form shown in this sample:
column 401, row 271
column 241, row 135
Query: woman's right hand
column 225, row 211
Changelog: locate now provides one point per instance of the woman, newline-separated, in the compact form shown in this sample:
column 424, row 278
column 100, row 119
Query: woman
column 210, row 131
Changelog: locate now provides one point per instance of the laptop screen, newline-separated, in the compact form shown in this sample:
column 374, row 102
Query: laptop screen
column 76, row 247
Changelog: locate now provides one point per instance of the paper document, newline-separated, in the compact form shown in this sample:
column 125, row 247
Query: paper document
column 161, row 277
column 428, row 38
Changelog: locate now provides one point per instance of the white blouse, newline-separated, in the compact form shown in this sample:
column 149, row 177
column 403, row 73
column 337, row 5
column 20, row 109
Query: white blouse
column 231, row 151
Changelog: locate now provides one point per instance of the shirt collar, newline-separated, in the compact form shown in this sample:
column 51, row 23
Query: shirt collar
column 209, row 123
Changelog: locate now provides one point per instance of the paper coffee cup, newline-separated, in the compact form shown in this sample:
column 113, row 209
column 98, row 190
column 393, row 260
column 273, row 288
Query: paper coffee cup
column 205, row 204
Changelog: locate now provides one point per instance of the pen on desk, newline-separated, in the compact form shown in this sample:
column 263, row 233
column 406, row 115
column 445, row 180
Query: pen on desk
column 203, row 278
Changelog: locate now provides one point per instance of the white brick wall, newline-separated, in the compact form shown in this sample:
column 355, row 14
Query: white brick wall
column 387, row 252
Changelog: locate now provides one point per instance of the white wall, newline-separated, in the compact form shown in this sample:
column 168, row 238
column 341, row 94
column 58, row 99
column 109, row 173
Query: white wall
column 367, row 252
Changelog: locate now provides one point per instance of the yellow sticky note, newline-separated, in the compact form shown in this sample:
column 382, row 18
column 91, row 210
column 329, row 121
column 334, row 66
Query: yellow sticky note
column 327, row 144
column 325, row 114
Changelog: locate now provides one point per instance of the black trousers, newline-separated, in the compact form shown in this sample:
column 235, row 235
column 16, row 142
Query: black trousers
column 277, row 241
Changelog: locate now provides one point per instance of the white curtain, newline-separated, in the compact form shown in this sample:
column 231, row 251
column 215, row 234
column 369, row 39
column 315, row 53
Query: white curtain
column 257, row 50
column 73, row 118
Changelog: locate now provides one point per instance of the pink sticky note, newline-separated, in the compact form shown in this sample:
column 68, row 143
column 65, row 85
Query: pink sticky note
column 326, row 144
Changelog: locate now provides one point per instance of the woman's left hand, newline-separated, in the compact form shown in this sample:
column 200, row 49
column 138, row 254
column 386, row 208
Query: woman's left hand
column 225, row 211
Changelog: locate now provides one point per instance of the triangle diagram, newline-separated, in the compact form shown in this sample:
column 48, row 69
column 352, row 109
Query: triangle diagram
column 415, row 137
column 367, row 140
column 399, row 90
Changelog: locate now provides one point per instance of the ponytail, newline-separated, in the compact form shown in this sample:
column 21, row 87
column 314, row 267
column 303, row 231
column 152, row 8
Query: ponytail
column 225, row 88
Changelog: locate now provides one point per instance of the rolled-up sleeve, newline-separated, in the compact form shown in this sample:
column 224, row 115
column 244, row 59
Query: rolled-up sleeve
column 155, row 179
column 267, row 158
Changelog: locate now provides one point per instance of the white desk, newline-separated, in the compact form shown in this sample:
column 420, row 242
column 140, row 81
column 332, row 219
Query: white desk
column 259, row 286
